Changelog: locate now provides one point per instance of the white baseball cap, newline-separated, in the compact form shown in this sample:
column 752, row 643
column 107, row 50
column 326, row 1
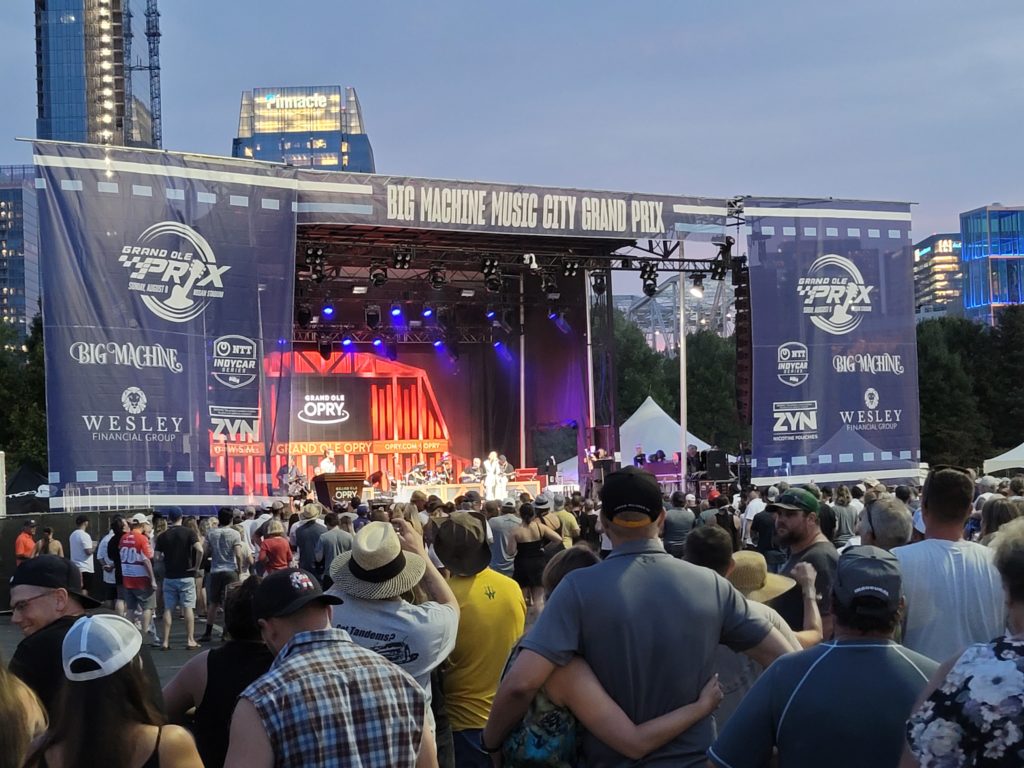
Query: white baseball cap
column 98, row 646
column 138, row 518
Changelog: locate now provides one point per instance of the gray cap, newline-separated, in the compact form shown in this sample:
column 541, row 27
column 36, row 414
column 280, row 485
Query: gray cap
column 868, row 572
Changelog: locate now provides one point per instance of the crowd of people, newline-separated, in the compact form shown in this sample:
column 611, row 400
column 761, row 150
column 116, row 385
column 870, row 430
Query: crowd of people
column 860, row 625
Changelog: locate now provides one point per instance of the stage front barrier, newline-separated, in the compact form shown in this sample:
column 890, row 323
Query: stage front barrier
column 450, row 492
column 335, row 487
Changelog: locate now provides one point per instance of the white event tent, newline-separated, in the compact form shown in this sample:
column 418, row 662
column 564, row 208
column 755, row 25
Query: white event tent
column 653, row 430
column 1012, row 459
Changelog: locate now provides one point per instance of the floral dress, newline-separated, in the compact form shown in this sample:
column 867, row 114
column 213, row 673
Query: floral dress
column 976, row 717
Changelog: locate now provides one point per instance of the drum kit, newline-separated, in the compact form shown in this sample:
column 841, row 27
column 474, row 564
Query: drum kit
column 420, row 475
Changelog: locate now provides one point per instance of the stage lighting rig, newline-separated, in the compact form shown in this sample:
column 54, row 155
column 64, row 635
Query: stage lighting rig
column 396, row 310
column 324, row 346
column 437, row 277
column 549, row 286
column 493, row 283
column 570, row 268
column 649, row 277
column 489, row 266
column 505, row 320
column 718, row 270
column 378, row 275
column 697, row 288
column 314, row 255
column 347, row 341
column 428, row 312
column 372, row 315
column 490, row 313
column 327, row 311
column 598, row 283
column 725, row 244
column 304, row 316
column 530, row 260
column 401, row 257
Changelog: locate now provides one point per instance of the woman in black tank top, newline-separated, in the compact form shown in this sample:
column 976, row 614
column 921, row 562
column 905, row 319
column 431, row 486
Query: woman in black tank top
column 212, row 681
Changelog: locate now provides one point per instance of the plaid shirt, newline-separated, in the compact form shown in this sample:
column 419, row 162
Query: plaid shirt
column 328, row 702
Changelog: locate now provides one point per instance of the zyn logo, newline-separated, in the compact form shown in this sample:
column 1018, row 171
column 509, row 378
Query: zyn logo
column 834, row 294
column 236, row 424
column 792, row 359
column 323, row 409
column 177, row 282
column 795, row 420
column 234, row 361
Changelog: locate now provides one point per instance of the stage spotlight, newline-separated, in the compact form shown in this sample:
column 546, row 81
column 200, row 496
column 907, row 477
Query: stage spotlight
column 570, row 268
column 697, row 289
column 396, row 310
column 436, row 277
column 503, row 351
column 505, row 321
column 549, row 286
column 378, row 341
column 318, row 273
column 649, row 271
column 347, row 340
column 372, row 313
column 627, row 263
column 438, row 343
column 378, row 275
column 650, row 287
column 427, row 312
column 725, row 244
column 323, row 346
column 561, row 323
column 493, row 283
column 327, row 311
column 314, row 255
column 552, row 313
column 401, row 257
column 489, row 265
column 490, row 313
column 718, row 270
column 598, row 283
column 304, row 316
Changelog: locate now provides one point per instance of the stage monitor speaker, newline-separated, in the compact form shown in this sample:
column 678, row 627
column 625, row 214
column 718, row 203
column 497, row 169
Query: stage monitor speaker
column 717, row 467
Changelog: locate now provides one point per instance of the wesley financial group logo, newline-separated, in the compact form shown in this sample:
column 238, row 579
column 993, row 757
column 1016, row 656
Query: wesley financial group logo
column 834, row 294
column 135, row 422
column 872, row 417
column 175, row 271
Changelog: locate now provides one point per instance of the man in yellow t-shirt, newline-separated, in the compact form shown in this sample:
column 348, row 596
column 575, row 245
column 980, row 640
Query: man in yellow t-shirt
column 492, row 618
column 570, row 525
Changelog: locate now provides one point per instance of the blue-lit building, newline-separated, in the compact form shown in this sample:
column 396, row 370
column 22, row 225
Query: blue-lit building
column 992, row 260
column 98, row 71
column 305, row 126
column 19, row 248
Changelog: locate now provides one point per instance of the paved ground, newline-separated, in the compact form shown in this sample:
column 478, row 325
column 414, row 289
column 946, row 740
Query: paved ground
column 167, row 662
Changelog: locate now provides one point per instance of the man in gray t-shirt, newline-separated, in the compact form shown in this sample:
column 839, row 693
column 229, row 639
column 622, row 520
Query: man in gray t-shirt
column 225, row 547
column 628, row 617
column 332, row 543
column 679, row 522
column 502, row 527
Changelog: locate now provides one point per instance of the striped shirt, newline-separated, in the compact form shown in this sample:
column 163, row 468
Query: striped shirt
column 330, row 703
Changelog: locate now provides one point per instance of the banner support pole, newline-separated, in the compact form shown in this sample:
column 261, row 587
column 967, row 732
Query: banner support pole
column 681, row 290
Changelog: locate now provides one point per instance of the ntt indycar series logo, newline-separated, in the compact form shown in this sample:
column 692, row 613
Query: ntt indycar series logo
column 175, row 270
column 323, row 409
column 834, row 294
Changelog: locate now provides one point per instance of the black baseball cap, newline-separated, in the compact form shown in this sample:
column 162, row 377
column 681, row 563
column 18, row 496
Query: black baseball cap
column 282, row 593
column 631, row 490
column 867, row 571
column 53, row 572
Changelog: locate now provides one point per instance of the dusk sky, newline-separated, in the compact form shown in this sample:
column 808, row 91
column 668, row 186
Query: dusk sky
column 918, row 101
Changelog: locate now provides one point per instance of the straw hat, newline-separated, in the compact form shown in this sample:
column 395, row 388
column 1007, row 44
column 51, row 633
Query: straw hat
column 750, row 576
column 377, row 568
column 310, row 512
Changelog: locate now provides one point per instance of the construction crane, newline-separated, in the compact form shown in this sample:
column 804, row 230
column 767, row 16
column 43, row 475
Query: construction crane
column 150, row 65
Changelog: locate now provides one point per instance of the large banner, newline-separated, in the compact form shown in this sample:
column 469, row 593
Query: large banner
column 835, row 353
column 167, row 284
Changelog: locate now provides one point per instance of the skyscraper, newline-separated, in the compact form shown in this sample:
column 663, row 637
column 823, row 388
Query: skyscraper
column 306, row 126
column 937, row 276
column 992, row 260
column 98, row 71
column 19, row 251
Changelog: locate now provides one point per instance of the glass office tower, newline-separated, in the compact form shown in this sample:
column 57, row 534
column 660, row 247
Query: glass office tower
column 98, row 71
column 19, row 250
column 937, row 276
column 306, row 126
column 992, row 260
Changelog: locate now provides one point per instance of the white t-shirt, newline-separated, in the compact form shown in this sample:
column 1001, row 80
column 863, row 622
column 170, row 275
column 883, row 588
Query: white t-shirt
column 109, row 577
column 327, row 465
column 754, row 507
column 81, row 541
column 954, row 596
column 856, row 504
column 417, row 638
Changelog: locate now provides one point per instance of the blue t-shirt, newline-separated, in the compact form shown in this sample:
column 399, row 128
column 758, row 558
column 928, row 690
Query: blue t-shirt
column 843, row 704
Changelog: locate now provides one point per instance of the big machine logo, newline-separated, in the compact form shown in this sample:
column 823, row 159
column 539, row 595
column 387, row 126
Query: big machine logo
column 138, row 356
column 873, row 364
column 234, row 361
column 323, row 409
column 175, row 270
column 872, row 418
column 834, row 294
column 796, row 420
column 135, row 425
column 792, row 357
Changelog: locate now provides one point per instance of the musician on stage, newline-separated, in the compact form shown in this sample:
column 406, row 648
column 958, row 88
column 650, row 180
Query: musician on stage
column 327, row 462
column 443, row 471
column 474, row 473
column 639, row 459
column 506, row 472
column 492, row 473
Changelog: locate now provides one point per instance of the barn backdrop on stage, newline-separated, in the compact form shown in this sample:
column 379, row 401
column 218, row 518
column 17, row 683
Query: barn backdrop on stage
column 164, row 285
column 835, row 355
